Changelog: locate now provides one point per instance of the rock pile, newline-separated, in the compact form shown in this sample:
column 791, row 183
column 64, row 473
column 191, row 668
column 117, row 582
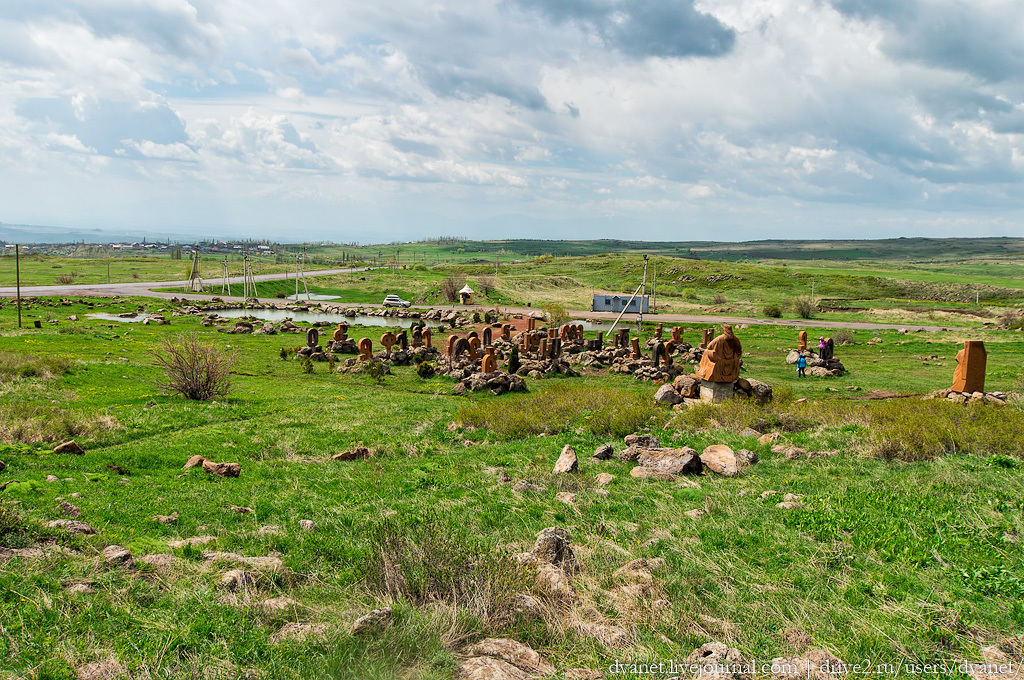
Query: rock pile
column 498, row 382
column 685, row 390
column 817, row 366
column 996, row 398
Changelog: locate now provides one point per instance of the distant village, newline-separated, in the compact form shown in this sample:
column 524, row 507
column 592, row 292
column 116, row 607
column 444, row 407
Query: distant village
column 145, row 246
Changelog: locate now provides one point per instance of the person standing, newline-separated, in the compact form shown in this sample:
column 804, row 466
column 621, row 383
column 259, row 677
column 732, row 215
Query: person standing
column 821, row 347
column 801, row 364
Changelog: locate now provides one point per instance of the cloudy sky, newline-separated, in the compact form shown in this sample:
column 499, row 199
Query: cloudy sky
column 399, row 119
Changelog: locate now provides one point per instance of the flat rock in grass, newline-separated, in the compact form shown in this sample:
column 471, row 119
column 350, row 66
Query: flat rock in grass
column 637, row 571
column 790, row 505
column 566, row 497
column 516, row 653
column 488, row 668
column 788, row 450
column 716, row 659
column 160, row 561
column 116, row 556
column 720, row 459
column 352, row 454
column 749, row 432
column 697, row 513
column 69, row 510
column 69, row 447
column 238, row 579
column 80, row 589
column 279, row 605
column 604, row 479
column 551, row 579
column 674, row 461
column 100, row 670
column 165, row 519
column 193, row 461
column 642, row 441
column 667, row 394
column 49, row 478
column 222, row 469
column 307, row 525
column 768, row 494
column 296, row 632
column 376, row 620
column 641, row 472
column 604, row 452
column 610, row 636
column 72, row 526
column 769, row 438
column 796, row 639
column 746, row 457
column 567, row 461
column 792, row 496
column 241, row 509
column 524, row 487
column 195, row 540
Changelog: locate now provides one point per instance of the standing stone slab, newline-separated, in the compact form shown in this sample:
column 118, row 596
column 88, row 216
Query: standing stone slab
column 567, row 461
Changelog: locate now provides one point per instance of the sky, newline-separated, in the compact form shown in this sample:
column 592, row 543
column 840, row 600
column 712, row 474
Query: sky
column 564, row 119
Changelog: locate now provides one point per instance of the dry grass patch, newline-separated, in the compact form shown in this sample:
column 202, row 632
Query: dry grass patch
column 47, row 423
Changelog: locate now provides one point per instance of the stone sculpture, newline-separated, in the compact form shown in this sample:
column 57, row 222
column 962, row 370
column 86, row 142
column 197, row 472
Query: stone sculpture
column 720, row 362
column 706, row 336
column 802, row 337
column 365, row 349
column 531, row 324
column 636, row 348
column 426, row 337
column 677, row 334
column 506, row 331
column 489, row 364
column 658, row 331
column 403, row 340
column 417, row 336
column 341, row 333
column 969, row 375
column 474, row 348
column 487, row 335
column 312, row 337
column 450, row 348
column 388, row 340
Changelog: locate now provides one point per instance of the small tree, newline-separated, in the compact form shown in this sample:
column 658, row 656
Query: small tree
column 804, row 307
column 194, row 369
column 450, row 290
column 513, row 360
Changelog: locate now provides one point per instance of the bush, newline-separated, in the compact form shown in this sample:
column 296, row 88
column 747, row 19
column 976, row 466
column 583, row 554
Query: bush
column 804, row 307
column 513, row 361
column 934, row 428
column 307, row 365
column 450, row 290
column 425, row 370
column 772, row 311
column 842, row 337
column 691, row 294
column 194, row 369
column 719, row 299
column 376, row 370
column 485, row 285
column 65, row 279
column 556, row 314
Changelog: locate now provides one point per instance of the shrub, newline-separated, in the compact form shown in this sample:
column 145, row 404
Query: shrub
column 556, row 314
column 485, row 285
column 280, row 295
column 772, row 311
column 691, row 294
column 842, row 337
column 513, row 360
column 376, row 370
column 194, row 369
column 934, row 428
column 804, row 307
column 65, row 279
column 306, row 364
column 719, row 299
column 425, row 370
column 450, row 290
column 603, row 411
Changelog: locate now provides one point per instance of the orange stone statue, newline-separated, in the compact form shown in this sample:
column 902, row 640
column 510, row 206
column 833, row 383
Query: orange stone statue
column 341, row 334
column 721, row 360
column 450, row 347
column 969, row 375
column 474, row 349
column 426, row 336
column 489, row 364
column 635, row 354
column 802, row 337
column 365, row 349
column 388, row 340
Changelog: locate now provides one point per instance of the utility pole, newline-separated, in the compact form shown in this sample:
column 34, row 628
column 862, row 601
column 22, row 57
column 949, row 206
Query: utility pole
column 654, row 286
column 640, row 316
column 17, row 276
column 108, row 272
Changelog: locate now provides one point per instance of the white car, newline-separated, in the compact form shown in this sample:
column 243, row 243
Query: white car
column 395, row 301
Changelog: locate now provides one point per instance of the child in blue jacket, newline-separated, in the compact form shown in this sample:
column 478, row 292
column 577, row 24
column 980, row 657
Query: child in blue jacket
column 801, row 364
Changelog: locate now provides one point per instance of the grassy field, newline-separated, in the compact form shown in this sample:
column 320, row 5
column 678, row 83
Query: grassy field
column 890, row 560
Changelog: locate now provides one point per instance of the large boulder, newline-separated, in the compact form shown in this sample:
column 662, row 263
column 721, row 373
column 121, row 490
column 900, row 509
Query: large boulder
column 721, row 460
column 567, row 461
column 682, row 461
column 667, row 394
column 687, row 385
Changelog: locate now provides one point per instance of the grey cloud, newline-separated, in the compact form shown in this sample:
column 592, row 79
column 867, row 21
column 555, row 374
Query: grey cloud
column 642, row 28
column 984, row 42
column 103, row 124
column 451, row 81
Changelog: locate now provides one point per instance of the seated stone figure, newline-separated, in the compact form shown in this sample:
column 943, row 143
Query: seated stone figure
column 721, row 359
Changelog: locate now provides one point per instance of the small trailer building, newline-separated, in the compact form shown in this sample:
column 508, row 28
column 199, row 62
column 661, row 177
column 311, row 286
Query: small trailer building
column 616, row 303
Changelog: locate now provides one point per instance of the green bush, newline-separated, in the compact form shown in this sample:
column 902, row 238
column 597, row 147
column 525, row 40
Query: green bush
column 772, row 311
column 306, row 364
column 14, row 365
column 514, row 364
column 804, row 307
column 934, row 428
column 603, row 411
column 556, row 314
column 425, row 370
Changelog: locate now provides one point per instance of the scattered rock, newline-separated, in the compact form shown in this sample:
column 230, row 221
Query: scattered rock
column 667, row 394
column 222, row 469
column 604, row 452
column 118, row 469
column 696, row 514
column 353, row 454
column 746, row 457
column 195, row 540
column 72, row 526
column 769, row 438
column 567, row 461
column 767, row 494
column 523, row 486
column 604, row 479
column 642, row 441
column 749, row 432
column 637, row 571
column 296, row 632
column 790, row 505
column 566, row 497
column 100, row 670
column 69, row 510
column 720, row 459
column 49, row 478
column 69, row 447
column 374, row 621
column 488, row 668
column 238, row 579
column 307, row 525
column 674, row 461
column 513, row 652
column 116, row 556
column 165, row 519
column 159, row 561
column 554, row 580
column 552, row 546
column 609, row 636
column 193, row 461
column 80, row 589
column 242, row 510
column 797, row 639
column 792, row 496
column 278, row 605
column 790, row 451
column 717, row 660
column 641, row 472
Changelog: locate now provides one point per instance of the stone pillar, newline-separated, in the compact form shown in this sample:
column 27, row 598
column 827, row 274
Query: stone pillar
column 716, row 392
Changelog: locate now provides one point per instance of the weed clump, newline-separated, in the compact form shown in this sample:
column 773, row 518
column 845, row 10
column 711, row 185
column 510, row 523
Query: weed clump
column 38, row 423
column 804, row 307
column 14, row 365
column 772, row 311
column 194, row 369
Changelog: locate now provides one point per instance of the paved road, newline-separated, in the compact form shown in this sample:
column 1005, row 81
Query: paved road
column 147, row 289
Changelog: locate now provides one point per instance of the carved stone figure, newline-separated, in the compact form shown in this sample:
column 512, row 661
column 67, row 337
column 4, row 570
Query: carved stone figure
column 426, row 336
column 450, row 347
column 365, row 349
column 489, row 364
column 658, row 331
column 487, row 335
column 677, row 334
column 636, row 348
column 802, row 337
column 721, row 360
column 531, row 324
column 969, row 375
column 506, row 331
column 388, row 340
column 341, row 333
column 474, row 348
column 417, row 336
column 312, row 337
column 706, row 336
column 403, row 340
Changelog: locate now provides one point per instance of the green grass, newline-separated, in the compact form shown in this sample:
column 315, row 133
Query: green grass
column 888, row 560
